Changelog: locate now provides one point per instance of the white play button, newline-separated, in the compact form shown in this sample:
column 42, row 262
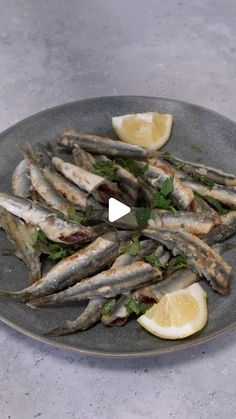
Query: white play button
column 116, row 210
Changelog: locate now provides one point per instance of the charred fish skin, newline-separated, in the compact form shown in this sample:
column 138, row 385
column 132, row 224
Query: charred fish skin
column 180, row 279
column 200, row 170
column 21, row 184
column 72, row 269
column 100, row 188
column 20, row 235
column 224, row 194
column 182, row 194
column 90, row 316
column 69, row 190
column 200, row 256
column 102, row 145
column 224, row 231
column 54, row 227
column 109, row 283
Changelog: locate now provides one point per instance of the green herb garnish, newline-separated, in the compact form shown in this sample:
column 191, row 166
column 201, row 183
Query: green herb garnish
column 75, row 215
column 133, row 248
column 131, row 166
column 153, row 260
column 159, row 201
column 108, row 306
column 161, row 198
column 57, row 252
column 134, row 307
column 167, row 186
column 78, row 217
column 106, row 169
column 143, row 215
column 39, row 238
column 178, row 263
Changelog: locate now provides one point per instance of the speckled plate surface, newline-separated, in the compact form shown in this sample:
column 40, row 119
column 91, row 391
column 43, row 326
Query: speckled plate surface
column 199, row 134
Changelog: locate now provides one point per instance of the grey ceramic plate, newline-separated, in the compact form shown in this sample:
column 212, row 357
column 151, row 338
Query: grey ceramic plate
column 195, row 129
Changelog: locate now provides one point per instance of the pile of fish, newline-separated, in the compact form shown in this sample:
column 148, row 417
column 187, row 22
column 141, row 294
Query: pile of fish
column 181, row 211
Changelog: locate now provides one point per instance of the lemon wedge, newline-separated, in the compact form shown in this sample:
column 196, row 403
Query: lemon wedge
column 178, row 314
column 150, row 130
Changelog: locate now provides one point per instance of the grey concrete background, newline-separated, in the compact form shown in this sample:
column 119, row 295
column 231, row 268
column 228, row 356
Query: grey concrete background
column 55, row 51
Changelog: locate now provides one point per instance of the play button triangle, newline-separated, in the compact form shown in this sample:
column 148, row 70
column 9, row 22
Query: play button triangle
column 116, row 210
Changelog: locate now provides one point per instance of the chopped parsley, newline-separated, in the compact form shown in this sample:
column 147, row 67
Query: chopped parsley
column 106, row 169
column 108, row 306
column 135, row 307
column 131, row 166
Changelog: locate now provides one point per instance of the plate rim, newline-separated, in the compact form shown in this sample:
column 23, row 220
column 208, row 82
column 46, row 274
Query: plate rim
column 113, row 354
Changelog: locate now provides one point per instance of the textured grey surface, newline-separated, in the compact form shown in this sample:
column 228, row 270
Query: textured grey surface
column 52, row 52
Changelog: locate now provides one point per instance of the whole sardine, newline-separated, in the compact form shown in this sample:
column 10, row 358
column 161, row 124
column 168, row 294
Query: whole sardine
column 54, row 227
column 21, row 184
column 181, row 194
column 226, row 229
column 223, row 194
column 200, row 256
column 20, row 234
column 76, row 267
column 100, row 188
column 109, row 283
column 200, row 170
column 86, row 319
column 103, row 145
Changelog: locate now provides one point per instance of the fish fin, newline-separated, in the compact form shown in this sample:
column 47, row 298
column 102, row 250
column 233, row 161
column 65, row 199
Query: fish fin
column 58, row 331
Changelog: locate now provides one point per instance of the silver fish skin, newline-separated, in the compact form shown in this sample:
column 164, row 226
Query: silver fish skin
column 20, row 235
column 21, row 183
column 69, row 190
column 54, row 227
column 125, row 259
column 100, row 188
column 126, row 181
column 182, row 194
column 200, row 256
column 102, row 145
column 109, row 283
column 201, row 170
column 90, row 316
column 224, row 194
column 225, row 230
column 119, row 315
column 180, row 279
column 46, row 191
column 194, row 223
column 72, row 269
